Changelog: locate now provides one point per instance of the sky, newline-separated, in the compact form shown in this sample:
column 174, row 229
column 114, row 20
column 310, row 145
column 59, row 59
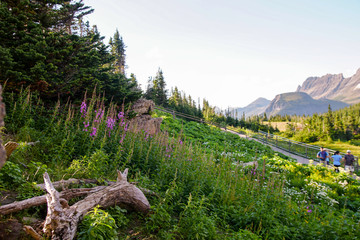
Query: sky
column 232, row 52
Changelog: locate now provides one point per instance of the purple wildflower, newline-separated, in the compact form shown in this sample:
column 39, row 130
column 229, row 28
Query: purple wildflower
column 83, row 109
column 309, row 211
column 181, row 142
column 110, row 123
column 99, row 115
column 93, row 134
column 122, row 122
column 120, row 115
column 86, row 125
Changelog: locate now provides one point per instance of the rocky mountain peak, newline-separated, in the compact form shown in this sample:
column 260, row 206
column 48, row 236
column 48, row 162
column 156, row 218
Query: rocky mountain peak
column 333, row 86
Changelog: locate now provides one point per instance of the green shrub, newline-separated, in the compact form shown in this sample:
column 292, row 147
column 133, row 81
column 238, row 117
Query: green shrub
column 29, row 190
column 95, row 166
column 119, row 215
column 195, row 223
column 11, row 175
column 245, row 234
column 97, row 224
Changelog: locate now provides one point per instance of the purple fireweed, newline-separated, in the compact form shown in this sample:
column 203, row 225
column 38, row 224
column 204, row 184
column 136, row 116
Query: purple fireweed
column 110, row 123
column 83, row 109
column 99, row 115
column 121, row 118
column 86, row 125
column 120, row 115
column 93, row 133
column 309, row 211
column 181, row 142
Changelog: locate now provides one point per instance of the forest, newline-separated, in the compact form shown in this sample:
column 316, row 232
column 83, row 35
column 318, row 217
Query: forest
column 339, row 125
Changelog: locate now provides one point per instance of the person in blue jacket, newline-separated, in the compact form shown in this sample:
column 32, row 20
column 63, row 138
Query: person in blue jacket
column 323, row 155
column 337, row 160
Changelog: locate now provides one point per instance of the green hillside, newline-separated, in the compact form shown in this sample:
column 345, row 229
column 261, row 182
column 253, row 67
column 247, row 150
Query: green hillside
column 202, row 191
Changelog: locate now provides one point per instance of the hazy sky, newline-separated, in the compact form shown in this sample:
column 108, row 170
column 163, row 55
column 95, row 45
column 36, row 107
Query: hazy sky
column 232, row 52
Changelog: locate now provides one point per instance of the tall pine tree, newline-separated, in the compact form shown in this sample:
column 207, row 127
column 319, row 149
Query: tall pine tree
column 118, row 51
column 156, row 90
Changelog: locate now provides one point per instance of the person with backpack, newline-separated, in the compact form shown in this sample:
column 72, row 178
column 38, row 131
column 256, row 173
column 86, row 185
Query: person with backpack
column 323, row 155
column 349, row 162
column 337, row 160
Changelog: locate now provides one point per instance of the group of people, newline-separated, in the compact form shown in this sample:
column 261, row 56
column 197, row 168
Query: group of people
column 348, row 159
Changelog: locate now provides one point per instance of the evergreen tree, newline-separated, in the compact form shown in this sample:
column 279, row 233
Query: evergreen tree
column 46, row 45
column 329, row 124
column 175, row 99
column 35, row 36
column 118, row 51
column 156, row 89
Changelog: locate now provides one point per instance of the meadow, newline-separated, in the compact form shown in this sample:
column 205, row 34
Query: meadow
column 202, row 189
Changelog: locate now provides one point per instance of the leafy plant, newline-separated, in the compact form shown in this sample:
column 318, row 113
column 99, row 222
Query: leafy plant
column 194, row 222
column 11, row 175
column 119, row 215
column 97, row 224
column 29, row 190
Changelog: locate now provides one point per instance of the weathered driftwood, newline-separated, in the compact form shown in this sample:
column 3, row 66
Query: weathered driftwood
column 63, row 184
column 40, row 200
column 29, row 230
column 61, row 223
column 65, row 194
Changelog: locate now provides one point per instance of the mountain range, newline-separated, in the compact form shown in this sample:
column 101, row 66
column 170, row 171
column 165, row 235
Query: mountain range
column 255, row 108
column 334, row 87
column 313, row 96
column 300, row 103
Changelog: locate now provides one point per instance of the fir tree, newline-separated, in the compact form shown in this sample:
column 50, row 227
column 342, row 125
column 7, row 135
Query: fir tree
column 118, row 51
column 156, row 90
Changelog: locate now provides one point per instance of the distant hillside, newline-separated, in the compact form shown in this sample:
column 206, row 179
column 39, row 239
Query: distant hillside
column 255, row 108
column 333, row 86
column 300, row 103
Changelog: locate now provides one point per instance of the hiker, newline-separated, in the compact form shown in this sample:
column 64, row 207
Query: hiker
column 327, row 158
column 337, row 160
column 349, row 162
column 323, row 155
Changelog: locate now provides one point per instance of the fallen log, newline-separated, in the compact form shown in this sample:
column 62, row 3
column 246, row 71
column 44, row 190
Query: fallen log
column 66, row 194
column 40, row 200
column 61, row 223
column 63, row 184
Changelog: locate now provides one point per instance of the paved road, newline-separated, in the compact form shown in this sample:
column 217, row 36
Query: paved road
column 298, row 158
